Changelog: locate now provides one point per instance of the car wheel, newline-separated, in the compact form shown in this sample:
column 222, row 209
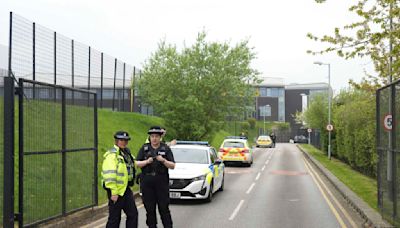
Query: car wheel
column 222, row 184
column 210, row 193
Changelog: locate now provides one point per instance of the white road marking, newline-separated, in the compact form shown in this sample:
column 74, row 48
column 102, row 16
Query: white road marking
column 266, row 162
column 233, row 215
column 263, row 168
column 250, row 188
column 258, row 175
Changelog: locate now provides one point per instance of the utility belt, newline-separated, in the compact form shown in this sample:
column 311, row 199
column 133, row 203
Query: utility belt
column 154, row 174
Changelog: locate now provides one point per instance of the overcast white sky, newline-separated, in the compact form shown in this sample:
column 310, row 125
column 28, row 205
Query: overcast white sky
column 130, row 30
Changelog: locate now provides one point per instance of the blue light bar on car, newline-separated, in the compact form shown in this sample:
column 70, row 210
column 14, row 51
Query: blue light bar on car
column 236, row 137
column 204, row 143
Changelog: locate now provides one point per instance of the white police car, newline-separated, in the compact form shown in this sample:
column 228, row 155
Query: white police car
column 198, row 172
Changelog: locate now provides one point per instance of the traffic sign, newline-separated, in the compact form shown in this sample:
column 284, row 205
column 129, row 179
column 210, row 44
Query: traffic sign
column 309, row 130
column 329, row 127
column 388, row 122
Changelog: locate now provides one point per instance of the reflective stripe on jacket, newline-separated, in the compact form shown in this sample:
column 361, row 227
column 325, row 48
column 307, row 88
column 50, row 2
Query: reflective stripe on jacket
column 115, row 172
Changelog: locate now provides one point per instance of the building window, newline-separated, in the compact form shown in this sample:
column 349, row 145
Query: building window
column 263, row 92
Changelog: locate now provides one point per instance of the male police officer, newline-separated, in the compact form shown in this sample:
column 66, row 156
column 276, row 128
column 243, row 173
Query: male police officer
column 155, row 158
column 118, row 176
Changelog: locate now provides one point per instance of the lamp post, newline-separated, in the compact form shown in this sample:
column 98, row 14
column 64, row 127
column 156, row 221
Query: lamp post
column 329, row 104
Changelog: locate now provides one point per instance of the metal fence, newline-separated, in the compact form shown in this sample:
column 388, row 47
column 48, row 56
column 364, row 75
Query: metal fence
column 2, row 75
column 388, row 137
column 56, row 170
column 40, row 54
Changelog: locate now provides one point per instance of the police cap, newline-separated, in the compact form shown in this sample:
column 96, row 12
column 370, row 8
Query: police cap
column 155, row 130
column 122, row 135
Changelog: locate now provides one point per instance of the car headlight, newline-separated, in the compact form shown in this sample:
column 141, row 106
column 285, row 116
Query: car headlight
column 202, row 177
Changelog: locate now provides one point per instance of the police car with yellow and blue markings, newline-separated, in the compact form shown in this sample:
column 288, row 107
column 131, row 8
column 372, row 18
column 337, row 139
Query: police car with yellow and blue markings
column 198, row 172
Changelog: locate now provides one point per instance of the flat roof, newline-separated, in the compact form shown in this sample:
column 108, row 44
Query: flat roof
column 319, row 85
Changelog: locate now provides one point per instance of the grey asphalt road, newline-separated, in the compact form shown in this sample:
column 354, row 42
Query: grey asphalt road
column 280, row 189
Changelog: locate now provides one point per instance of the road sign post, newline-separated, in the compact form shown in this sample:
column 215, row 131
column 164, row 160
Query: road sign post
column 309, row 134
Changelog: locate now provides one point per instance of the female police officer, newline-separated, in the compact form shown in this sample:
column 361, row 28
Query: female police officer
column 155, row 158
column 118, row 175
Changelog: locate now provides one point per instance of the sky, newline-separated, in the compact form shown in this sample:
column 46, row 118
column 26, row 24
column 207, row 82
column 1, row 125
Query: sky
column 131, row 30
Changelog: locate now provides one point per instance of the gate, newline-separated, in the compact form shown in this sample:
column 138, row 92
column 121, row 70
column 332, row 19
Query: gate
column 387, row 119
column 56, row 170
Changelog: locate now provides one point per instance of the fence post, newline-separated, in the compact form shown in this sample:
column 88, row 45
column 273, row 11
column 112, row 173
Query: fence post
column 96, row 198
column 393, row 146
column 89, row 78
column 378, row 145
column 123, row 91
column 133, row 90
column 33, row 58
column 63, row 153
column 101, row 81
column 8, row 191
column 115, row 77
column 73, row 69
column 21, row 152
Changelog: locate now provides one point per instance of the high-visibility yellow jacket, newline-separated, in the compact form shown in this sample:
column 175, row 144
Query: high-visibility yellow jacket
column 115, row 172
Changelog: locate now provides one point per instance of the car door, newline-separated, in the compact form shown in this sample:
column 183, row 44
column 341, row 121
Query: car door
column 218, row 169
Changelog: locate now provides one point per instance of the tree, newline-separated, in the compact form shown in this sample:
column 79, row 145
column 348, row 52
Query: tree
column 316, row 115
column 370, row 37
column 195, row 89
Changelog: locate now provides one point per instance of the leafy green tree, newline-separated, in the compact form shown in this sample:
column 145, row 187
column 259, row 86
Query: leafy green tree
column 316, row 115
column 379, row 25
column 196, row 88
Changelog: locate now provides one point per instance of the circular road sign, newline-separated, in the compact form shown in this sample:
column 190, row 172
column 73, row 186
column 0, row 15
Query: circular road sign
column 329, row 127
column 388, row 122
column 309, row 130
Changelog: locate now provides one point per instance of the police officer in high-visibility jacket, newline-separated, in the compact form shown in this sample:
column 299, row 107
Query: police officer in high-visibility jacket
column 155, row 158
column 118, row 176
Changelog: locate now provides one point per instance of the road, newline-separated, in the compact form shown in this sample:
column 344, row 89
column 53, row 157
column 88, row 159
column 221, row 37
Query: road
column 280, row 189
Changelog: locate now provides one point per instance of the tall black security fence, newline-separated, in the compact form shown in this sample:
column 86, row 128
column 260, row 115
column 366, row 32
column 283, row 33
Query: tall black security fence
column 2, row 75
column 55, row 172
column 40, row 54
column 388, row 139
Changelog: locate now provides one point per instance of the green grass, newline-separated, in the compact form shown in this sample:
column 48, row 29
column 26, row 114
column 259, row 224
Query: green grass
column 365, row 187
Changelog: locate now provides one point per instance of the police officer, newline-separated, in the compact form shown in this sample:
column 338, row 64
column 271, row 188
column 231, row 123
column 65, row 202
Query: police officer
column 273, row 138
column 118, row 172
column 155, row 158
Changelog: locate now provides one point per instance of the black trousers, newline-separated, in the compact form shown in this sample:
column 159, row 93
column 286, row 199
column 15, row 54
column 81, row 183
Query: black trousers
column 125, row 203
column 155, row 191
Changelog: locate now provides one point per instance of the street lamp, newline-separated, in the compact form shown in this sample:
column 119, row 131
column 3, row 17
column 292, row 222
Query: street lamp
column 329, row 104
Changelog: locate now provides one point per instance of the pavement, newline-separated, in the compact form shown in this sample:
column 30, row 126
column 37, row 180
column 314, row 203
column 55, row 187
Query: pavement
column 373, row 218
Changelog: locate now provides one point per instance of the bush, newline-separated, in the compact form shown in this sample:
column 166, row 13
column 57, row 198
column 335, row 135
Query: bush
column 252, row 122
column 354, row 120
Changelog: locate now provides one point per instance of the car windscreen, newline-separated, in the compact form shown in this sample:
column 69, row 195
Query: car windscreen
column 190, row 155
column 264, row 138
column 233, row 144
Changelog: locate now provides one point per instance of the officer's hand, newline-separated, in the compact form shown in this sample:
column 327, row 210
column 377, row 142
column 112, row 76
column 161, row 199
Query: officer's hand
column 114, row 198
column 149, row 160
column 160, row 158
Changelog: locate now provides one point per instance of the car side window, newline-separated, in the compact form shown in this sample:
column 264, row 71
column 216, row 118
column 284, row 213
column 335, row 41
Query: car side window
column 214, row 152
column 212, row 156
